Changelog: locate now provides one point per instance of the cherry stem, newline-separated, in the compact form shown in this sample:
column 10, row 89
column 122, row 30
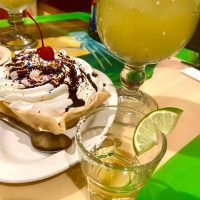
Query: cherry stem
column 29, row 15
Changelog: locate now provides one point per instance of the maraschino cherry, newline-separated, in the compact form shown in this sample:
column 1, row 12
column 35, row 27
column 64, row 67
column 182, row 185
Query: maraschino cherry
column 47, row 52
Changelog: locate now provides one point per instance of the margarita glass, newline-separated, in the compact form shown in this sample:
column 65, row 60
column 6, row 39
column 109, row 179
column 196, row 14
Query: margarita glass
column 16, row 39
column 141, row 32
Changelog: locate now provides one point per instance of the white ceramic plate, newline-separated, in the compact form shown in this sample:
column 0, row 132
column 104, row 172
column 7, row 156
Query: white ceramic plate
column 20, row 163
column 5, row 54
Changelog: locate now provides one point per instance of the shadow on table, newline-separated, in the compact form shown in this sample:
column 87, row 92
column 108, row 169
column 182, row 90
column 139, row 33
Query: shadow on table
column 61, row 186
column 155, row 190
column 76, row 175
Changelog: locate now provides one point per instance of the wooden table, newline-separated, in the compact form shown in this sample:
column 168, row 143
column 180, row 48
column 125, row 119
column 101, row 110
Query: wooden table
column 168, row 86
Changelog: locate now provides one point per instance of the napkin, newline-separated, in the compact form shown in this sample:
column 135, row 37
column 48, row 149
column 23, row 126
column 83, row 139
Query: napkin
column 192, row 72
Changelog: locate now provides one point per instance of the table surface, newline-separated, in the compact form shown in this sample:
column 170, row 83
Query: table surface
column 168, row 86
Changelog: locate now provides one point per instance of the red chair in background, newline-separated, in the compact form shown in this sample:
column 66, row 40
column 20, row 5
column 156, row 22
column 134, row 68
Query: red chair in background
column 70, row 5
column 3, row 14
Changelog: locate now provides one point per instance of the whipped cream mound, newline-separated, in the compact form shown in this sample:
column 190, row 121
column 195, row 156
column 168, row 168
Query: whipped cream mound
column 27, row 82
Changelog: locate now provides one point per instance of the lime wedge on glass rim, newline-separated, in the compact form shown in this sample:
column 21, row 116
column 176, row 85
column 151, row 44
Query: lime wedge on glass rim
column 145, row 134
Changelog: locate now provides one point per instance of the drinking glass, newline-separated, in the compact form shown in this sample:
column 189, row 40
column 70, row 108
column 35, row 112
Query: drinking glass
column 108, row 160
column 16, row 39
column 141, row 32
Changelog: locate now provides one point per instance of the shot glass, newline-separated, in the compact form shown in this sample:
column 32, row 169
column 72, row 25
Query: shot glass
column 111, row 166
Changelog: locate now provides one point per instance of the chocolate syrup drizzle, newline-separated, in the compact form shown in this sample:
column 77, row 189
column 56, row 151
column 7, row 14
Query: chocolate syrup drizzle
column 55, row 70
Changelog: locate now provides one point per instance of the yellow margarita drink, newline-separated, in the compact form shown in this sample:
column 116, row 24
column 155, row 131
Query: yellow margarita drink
column 15, row 5
column 144, row 31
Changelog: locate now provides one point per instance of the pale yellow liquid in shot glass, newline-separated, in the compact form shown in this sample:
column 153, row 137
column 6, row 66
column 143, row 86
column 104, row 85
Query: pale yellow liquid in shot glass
column 146, row 30
column 118, row 152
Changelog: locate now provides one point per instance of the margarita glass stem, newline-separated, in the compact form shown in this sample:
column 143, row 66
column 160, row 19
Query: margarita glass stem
column 130, row 95
column 132, row 77
column 16, row 23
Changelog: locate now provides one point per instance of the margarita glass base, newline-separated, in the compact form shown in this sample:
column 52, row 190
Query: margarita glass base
column 141, row 101
column 18, row 42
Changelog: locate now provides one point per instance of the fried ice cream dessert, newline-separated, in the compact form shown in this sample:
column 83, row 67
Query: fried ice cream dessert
column 49, row 95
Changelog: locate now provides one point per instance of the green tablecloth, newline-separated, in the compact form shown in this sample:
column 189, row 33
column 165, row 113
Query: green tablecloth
column 178, row 179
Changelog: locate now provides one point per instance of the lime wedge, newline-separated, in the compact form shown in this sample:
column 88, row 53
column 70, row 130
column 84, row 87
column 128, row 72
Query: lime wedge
column 145, row 134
